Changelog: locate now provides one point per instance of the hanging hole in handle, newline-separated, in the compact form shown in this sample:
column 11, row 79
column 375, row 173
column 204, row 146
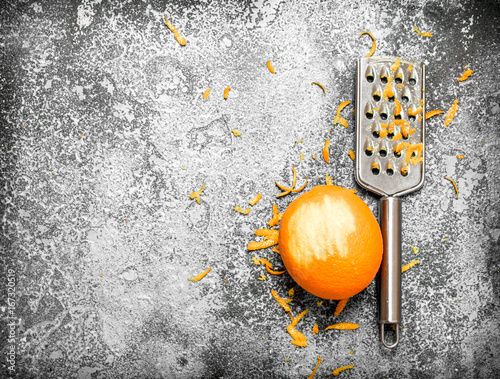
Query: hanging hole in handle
column 383, row 336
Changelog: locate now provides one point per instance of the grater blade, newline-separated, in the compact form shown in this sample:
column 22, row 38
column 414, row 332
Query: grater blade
column 390, row 128
column 378, row 168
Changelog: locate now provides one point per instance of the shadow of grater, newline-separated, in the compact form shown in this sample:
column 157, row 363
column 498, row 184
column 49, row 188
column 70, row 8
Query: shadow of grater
column 390, row 133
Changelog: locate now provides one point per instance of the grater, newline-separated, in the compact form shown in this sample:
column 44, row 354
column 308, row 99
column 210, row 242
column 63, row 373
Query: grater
column 390, row 132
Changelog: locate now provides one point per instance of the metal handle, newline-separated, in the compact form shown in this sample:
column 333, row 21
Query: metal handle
column 390, row 269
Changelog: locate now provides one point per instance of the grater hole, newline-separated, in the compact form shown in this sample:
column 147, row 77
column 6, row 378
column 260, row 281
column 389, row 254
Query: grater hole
column 383, row 153
column 370, row 78
column 376, row 97
column 383, row 116
column 412, row 81
column 369, row 115
column 375, row 170
column 404, row 171
column 397, row 154
column 383, row 79
column 390, row 172
column 406, row 137
column 391, row 99
column 376, row 133
column 390, row 135
column 405, row 99
column 397, row 117
column 398, row 80
column 369, row 151
column 414, row 154
column 412, row 118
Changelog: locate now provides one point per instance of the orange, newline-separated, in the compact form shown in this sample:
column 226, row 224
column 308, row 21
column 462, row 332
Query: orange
column 330, row 242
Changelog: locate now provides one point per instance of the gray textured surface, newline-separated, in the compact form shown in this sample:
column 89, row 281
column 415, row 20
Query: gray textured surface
column 102, row 121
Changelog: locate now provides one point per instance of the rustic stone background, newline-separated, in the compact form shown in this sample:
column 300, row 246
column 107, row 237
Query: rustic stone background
column 104, row 134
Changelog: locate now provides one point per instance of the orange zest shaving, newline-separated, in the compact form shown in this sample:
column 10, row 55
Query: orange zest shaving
column 276, row 217
column 262, row 277
column 397, row 107
column 343, row 122
column 255, row 200
column 236, row 133
column 257, row 245
column 206, row 93
column 342, row 105
column 423, row 34
column 374, row 44
column 465, row 75
column 340, row 306
column 343, row 326
column 315, row 369
column 395, row 66
column 451, row 113
column 196, row 194
column 415, row 112
column 298, row 338
column 430, row 114
column 273, row 234
column 340, row 369
column 291, row 292
column 352, row 154
column 315, row 329
column 241, row 210
column 282, row 303
column 388, row 90
column 270, row 67
column 326, row 152
column 329, row 180
column 292, row 188
column 454, row 184
column 276, row 250
column 270, row 270
column 198, row 277
column 460, row 157
column 177, row 35
column 226, row 92
column 409, row 265
column 320, row 85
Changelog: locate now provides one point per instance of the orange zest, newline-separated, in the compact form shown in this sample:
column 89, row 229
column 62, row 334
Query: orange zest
column 423, row 34
column 340, row 369
column 296, row 189
column 255, row 200
column 196, row 194
column 262, row 277
column 257, row 245
column 241, row 210
column 454, row 184
column 198, row 277
column 352, row 154
column 206, row 93
column 460, row 157
column 329, row 180
column 374, row 44
column 415, row 112
column 343, row 122
column 343, row 326
column 430, row 114
column 397, row 107
column 396, row 64
column 273, row 234
column 298, row 338
column 315, row 329
column 451, row 113
column 342, row 105
column 236, row 132
column 270, row 67
column 340, row 306
column 320, row 85
column 292, row 188
column 177, row 35
column 269, row 269
column 276, row 217
column 465, row 75
column 326, row 151
column 409, row 265
column 226, row 92
column 315, row 369
column 282, row 303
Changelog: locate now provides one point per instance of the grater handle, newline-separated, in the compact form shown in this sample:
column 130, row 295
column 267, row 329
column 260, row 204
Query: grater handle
column 390, row 269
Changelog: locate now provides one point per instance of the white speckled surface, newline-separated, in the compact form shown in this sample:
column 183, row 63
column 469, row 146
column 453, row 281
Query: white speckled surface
column 104, row 134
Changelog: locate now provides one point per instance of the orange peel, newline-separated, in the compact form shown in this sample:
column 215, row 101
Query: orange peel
column 326, row 152
column 337, row 371
column 343, row 326
column 320, row 85
column 340, row 306
column 430, row 114
column 451, row 113
column 409, row 265
column 374, row 44
column 177, row 35
column 198, row 277
column 465, row 75
column 454, row 184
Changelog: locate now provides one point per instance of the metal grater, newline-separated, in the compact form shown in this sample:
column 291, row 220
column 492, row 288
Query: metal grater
column 381, row 159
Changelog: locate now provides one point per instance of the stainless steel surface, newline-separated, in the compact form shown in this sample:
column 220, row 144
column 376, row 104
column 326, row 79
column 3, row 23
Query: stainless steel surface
column 390, row 269
column 384, row 184
column 385, row 138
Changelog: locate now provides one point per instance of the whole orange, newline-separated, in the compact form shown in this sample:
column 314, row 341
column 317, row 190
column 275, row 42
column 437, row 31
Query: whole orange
column 330, row 242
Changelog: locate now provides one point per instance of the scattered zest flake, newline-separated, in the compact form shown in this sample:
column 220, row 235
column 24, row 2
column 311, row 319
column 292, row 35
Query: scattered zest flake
column 424, row 34
column 198, row 277
column 454, row 184
column 241, row 210
column 262, row 277
column 430, row 114
column 206, row 93
column 460, row 157
column 397, row 107
column 352, row 155
column 270, row 67
column 409, row 265
column 226, row 92
column 343, row 326
column 337, row 119
column 415, row 249
column 291, row 292
column 177, row 36
column 196, row 194
column 465, row 75
column 396, row 64
column 320, row 85
column 255, row 200
column 415, row 112
column 315, row 329
column 298, row 338
column 292, row 188
column 282, row 303
column 270, row 239
column 329, row 180
column 276, row 217
column 343, row 122
column 340, row 369
column 318, row 303
column 340, row 306
column 451, row 113
column 326, row 151
column 315, row 369
column 236, row 133
column 374, row 44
